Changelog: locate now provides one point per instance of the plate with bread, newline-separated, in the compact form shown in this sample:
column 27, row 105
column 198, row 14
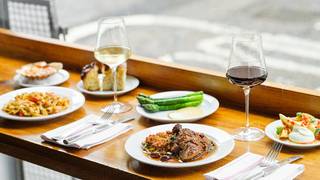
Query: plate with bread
column 91, row 85
column 41, row 74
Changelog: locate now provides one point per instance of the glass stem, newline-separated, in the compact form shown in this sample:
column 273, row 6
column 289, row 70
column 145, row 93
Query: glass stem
column 246, row 91
column 101, row 78
column 114, row 74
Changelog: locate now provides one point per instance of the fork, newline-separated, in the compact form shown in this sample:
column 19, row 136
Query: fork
column 272, row 155
column 105, row 116
column 268, row 160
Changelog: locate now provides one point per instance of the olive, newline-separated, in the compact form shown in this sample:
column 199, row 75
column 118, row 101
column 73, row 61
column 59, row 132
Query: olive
column 165, row 158
column 155, row 155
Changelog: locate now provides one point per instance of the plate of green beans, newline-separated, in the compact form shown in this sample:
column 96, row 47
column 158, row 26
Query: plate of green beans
column 159, row 106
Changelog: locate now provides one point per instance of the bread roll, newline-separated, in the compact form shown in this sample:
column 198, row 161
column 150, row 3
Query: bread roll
column 89, row 76
column 90, row 72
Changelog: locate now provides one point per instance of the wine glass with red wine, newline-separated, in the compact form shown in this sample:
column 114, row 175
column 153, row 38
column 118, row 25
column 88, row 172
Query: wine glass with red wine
column 246, row 69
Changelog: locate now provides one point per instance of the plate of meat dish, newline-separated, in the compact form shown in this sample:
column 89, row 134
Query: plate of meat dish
column 179, row 145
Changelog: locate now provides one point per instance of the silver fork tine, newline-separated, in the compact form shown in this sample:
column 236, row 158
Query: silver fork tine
column 274, row 147
column 267, row 157
column 108, row 109
column 269, row 153
column 278, row 149
column 272, row 154
column 107, row 113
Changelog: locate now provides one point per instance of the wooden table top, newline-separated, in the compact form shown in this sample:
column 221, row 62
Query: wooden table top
column 109, row 160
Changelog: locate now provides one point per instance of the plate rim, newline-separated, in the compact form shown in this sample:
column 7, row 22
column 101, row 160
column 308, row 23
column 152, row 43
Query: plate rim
column 41, row 118
column 231, row 142
column 142, row 112
column 65, row 73
column 108, row 93
column 268, row 131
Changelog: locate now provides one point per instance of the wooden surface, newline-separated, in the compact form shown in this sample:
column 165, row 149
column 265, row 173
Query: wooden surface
column 109, row 160
column 22, row 140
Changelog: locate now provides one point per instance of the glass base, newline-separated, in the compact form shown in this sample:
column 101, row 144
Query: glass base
column 120, row 107
column 248, row 134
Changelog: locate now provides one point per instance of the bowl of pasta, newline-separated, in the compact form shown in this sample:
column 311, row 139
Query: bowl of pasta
column 39, row 103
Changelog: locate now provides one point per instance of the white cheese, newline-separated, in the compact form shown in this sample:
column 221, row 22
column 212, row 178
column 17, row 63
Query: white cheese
column 301, row 135
column 186, row 113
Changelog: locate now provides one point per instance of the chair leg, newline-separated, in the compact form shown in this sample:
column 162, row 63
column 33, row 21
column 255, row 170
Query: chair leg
column 64, row 32
column 8, row 168
column 19, row 169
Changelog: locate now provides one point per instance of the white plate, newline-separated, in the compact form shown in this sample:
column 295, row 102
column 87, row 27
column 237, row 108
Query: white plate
column 209, row 106
column 223, row 141
column 131, row 84
column 58, row 78
column 76, row 101
column 270, row 131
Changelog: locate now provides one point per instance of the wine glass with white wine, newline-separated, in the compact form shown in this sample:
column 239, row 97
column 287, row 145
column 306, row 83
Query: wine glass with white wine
column 112, row 49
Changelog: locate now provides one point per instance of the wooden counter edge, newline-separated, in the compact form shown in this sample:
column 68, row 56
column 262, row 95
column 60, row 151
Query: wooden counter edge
column 60, row 161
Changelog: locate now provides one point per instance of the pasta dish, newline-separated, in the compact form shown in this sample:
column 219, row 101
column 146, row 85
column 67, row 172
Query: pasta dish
column 36, row 104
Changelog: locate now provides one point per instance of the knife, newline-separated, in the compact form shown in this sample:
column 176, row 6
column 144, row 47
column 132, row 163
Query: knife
column 268, row 170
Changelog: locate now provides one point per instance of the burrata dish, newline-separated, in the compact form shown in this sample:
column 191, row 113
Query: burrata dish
column 302, row 129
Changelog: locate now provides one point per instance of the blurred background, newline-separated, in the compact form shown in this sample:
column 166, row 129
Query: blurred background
column 189, row 32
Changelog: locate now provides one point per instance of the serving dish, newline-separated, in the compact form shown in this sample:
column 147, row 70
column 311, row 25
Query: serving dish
column 208, row 106
column 76, row 101
column 58, row 78
column 223, row 141
column 131, row 83
column 270, row 131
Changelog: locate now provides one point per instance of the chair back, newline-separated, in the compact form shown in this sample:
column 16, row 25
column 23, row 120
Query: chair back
column 35, row 17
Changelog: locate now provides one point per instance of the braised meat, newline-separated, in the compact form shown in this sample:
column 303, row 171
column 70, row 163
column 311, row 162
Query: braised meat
column 192, row 145
column 181, row 144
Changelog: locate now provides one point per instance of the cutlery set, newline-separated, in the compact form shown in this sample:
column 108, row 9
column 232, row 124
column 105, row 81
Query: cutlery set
column 94, row 130
column 268, row 164
column 270, row 169
column 89, row 128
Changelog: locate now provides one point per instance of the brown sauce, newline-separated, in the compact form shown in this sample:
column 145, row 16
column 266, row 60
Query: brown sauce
column 176, row 160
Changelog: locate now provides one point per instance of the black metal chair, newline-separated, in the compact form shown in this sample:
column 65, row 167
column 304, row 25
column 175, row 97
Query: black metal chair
column 36, row 17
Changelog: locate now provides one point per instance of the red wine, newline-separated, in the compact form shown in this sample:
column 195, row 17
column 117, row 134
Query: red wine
column 247, row 75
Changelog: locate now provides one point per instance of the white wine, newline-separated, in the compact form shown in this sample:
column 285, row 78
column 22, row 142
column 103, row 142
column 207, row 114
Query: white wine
column 112, row 55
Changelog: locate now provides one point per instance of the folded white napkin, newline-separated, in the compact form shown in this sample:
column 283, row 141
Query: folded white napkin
column 89, row 141
column 249, row 161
